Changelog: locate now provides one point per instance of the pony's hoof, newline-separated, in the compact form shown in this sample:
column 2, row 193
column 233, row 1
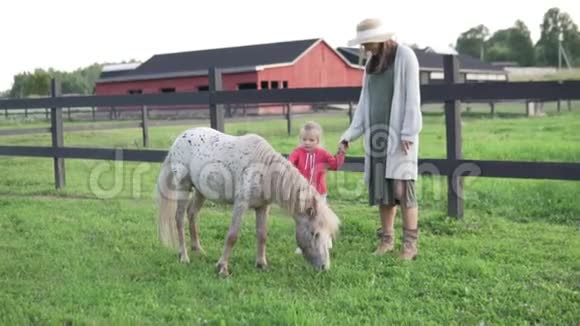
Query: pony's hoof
column 199, row 251
column 263, row 265
column 184, row 259
column 222, row 270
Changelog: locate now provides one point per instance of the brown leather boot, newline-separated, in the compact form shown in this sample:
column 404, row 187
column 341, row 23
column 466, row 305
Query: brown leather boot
column 409, row 249
column 386, row 242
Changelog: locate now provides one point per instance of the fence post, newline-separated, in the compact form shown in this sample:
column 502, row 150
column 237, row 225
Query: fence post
column 26, row 113
column 569, row 106
column 350, row 105
column 145, row 125
column 94, row 114
column 559, row 105
column 68, row 114
column 6, row 113
column 492, row 108
column 228, row 109
column 289, row 118
column 453, row 132
column 46, row 114
column 57, row 137
column 216, row 112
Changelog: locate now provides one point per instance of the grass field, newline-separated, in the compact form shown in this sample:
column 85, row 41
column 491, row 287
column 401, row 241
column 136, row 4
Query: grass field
column 565, row 74
column 89, row 254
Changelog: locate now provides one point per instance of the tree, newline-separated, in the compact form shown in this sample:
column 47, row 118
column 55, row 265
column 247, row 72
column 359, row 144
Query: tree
column 472, row 41
column 25, row 84
column 511, row 44
column 81, row 81
column 498, row 47
column 555, row 22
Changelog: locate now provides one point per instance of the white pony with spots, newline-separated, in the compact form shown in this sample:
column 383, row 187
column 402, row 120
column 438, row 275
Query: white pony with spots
column 248, row 173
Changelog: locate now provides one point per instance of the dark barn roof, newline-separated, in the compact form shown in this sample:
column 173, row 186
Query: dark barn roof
column 234, row 57
column 431, row 60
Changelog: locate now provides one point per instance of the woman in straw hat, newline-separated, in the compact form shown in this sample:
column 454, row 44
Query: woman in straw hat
column 388, row 115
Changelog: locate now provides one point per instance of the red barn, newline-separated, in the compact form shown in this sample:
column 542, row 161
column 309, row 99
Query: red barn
column 295, row 64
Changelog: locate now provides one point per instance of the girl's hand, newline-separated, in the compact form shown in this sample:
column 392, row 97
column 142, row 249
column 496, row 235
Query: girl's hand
column 406, row 145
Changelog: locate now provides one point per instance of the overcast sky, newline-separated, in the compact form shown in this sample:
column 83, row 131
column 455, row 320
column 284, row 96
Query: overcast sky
column 67, row 34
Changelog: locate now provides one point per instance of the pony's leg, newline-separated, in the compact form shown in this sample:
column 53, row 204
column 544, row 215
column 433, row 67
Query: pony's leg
column 179, row 220
column 261, row 236
column 240, row 206
column 193, row 209
column 183, row 187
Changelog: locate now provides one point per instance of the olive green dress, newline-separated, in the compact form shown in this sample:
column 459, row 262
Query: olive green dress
column 381, row 189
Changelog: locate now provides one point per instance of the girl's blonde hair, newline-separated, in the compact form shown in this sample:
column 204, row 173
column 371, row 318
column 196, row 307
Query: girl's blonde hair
column 313, row 128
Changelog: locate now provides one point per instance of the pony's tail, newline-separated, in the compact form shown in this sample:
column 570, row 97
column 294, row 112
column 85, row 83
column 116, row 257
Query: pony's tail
column 167, row 206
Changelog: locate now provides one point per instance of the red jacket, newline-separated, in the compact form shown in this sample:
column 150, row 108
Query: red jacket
column 313, row 165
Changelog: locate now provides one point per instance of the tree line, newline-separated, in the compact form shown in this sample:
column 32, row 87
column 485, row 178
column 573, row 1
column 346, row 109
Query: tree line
column 514, row 44
column 81, row 81
column 37, row 83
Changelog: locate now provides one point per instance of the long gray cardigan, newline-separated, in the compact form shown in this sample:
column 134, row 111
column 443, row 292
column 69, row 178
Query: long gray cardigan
column 405, row 121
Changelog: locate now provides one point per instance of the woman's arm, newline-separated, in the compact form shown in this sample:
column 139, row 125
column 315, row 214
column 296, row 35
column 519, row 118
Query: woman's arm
column 357, row 126
column 412, row 121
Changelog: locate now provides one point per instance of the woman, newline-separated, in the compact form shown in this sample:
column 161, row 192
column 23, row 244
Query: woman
column 389, row 115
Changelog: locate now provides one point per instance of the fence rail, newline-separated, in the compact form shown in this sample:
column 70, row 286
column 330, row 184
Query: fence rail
column 454, row 167
column 537, row 91
column 110, row 125
column 441, row 167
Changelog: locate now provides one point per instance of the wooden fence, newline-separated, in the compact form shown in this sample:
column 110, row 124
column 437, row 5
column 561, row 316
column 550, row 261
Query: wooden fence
column 454, row 167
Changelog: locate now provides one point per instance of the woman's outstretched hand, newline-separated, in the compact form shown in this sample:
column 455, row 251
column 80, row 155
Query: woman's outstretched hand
column 343, row 146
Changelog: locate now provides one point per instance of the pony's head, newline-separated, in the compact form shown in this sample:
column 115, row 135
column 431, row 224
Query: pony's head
column 316, row 227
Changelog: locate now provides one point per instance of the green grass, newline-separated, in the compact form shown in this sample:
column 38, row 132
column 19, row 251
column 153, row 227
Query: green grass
column 565, row 74
column 77, row 256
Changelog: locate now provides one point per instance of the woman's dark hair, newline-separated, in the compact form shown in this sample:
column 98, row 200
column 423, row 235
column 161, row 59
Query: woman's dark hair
column 384, row 59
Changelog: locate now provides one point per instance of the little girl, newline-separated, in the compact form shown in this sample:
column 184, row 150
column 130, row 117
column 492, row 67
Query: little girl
column 312, row 160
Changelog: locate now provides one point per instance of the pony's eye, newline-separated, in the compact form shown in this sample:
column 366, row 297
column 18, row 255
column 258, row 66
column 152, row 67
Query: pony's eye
column 316, row 236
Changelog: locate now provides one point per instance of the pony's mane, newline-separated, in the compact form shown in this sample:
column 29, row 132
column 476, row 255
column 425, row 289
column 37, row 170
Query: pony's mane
column 285, row 186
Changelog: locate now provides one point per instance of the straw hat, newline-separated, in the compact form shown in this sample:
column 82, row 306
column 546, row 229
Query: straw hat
column 370, row 31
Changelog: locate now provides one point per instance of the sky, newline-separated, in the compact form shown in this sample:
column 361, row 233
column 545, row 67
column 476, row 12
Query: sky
column 68, row 34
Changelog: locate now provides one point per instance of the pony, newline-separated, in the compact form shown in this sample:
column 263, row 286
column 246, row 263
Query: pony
column 246, row 172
